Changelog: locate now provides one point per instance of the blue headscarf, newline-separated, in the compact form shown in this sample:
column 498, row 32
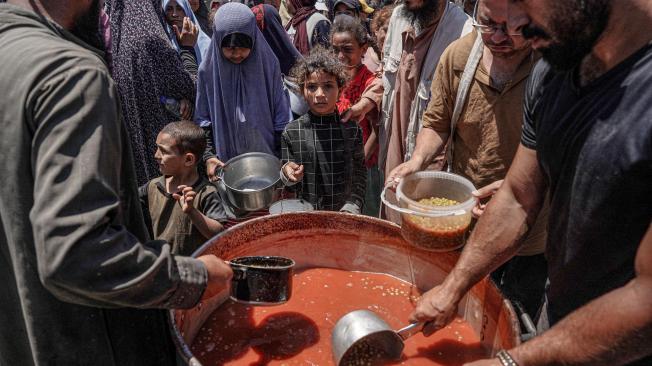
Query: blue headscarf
column 203, row 41
column 245, row 103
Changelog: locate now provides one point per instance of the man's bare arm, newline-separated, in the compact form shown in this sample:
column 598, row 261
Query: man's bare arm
column 496, row 238
column 430, row 143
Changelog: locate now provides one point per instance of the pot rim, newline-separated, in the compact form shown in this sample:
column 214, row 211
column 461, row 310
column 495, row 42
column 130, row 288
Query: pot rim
column 253, row 266
column 425, row 210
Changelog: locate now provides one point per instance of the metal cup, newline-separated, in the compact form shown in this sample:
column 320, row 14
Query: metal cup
column 261, row 280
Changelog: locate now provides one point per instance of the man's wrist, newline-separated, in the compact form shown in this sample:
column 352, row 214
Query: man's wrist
column 456, row 286
column 193, row 213
column 418, row 160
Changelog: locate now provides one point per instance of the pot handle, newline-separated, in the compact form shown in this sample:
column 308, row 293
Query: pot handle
column 239, row 272
column 410, row 330
column 219, row 172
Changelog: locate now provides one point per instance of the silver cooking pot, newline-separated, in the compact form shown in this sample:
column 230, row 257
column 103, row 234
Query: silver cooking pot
column 251, row 181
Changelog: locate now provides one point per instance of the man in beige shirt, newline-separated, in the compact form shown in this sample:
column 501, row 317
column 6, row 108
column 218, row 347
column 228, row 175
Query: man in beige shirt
column 488, row 130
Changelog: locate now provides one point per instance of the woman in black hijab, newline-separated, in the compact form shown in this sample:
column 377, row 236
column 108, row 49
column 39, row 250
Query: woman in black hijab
column 269, row 23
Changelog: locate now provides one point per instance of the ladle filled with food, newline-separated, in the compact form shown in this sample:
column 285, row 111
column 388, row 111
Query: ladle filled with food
column 361, row 336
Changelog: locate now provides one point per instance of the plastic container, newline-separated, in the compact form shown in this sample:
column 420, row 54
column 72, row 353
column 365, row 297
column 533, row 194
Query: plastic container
column 436, row 228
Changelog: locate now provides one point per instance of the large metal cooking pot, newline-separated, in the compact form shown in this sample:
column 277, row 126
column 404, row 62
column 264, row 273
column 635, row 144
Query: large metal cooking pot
column 354, row 243
column 251, row 181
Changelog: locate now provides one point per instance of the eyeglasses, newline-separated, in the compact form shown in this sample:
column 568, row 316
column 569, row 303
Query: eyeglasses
column 491, row 29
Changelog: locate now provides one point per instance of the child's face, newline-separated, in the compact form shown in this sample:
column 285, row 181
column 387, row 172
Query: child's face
column 321, row 93
column 347, row 49
column 236, row 54
column 170, row 161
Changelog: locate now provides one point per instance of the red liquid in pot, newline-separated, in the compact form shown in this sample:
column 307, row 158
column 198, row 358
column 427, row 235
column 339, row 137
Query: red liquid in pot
column 299, row 332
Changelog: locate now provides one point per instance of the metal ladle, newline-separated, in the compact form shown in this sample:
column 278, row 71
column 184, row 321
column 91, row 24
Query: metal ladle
column 364, row 326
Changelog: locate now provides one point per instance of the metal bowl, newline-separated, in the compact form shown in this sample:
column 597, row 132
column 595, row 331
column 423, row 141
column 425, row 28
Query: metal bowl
column 252, row 181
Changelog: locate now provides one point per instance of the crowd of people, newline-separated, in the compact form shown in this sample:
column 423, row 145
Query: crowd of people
column 118, row 114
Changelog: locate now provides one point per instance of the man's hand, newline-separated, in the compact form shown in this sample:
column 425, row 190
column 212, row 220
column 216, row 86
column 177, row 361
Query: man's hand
column 293, row 171
column 185, row 198
column 185, row 109
column 401, row 171
column 484, row 192
column 358, row 111
column 211, row 167
column 219, row 275
column 437, row 308
column 187, row 36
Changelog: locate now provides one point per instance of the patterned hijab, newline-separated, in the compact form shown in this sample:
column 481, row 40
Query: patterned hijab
column 269, row 23
column 203, row 41
column 145, row 68
column 245, row 103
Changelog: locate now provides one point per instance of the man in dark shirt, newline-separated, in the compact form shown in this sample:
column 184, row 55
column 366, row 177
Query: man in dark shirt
column 588, row 138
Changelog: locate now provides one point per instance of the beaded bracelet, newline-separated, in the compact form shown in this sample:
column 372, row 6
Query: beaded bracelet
column 505, row 358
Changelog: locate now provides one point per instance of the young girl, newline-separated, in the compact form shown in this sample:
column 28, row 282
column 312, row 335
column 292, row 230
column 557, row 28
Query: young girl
column 240, row 92
column 323, row 155
column 349, row 40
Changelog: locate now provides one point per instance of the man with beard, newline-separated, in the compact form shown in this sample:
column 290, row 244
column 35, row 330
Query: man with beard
column 587, row 135
column 418, row 33
column 80, row 281
column 488, row 129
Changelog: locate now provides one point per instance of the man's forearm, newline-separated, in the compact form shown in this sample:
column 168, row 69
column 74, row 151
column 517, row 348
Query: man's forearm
column 612, row 330
column 506, row 220
column 495, row 239
column 430, row 143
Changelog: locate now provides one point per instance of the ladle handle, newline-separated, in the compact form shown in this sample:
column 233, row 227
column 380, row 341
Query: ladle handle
column 410, row 330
